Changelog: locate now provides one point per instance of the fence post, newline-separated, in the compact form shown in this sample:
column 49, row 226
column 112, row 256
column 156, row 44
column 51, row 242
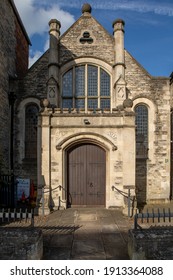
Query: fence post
column 130, row 187
column 42, row 201
column 129, row 204
column 135, row 221
column 32, row 217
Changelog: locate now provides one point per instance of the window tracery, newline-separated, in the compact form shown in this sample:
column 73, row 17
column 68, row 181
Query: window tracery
column 86, row 87
column 141, row 130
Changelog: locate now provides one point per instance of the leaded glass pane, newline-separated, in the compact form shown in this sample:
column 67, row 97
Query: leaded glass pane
column 80, row 103
column 92, row 103
column 67, row 84
column 141, row 130
column 67, row 103
column 104, row 83
column 80, row 81
column 92, row 80
column 31, row 115
column 105, row 103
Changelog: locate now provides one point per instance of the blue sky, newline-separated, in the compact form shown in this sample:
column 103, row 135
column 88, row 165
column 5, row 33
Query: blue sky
column 148, row 26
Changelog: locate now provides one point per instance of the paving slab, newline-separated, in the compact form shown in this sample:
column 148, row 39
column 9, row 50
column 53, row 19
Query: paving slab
column 114, row 252
column 87, row 235
column 88, row 249
column 112, row 239
column 61, row 253
column 61, row 240
column 110, row 228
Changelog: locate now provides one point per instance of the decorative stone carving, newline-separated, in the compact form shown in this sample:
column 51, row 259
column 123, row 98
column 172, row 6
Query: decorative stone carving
column 86, row 38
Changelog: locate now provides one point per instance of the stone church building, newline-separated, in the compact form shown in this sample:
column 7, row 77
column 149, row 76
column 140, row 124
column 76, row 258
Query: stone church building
column 90, row 122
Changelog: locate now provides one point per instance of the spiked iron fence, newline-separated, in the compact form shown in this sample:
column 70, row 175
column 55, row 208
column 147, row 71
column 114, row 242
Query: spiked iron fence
column 13, row 215
column 153, row 217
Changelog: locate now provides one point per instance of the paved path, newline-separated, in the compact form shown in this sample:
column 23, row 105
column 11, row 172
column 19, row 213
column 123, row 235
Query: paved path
column 86, row 234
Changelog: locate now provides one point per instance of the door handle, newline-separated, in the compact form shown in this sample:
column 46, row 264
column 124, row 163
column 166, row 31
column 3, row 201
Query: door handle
column 91, row 185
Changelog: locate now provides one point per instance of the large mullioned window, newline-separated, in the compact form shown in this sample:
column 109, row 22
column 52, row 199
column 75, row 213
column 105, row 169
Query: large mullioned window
column 141, row 130
column 86, row 87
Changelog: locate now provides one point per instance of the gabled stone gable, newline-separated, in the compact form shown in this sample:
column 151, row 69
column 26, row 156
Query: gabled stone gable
column 102, row 46
column 38, row 74
column 141, row 84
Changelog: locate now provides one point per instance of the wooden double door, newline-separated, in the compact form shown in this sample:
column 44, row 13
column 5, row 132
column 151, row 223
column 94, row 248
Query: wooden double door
column 86, row 175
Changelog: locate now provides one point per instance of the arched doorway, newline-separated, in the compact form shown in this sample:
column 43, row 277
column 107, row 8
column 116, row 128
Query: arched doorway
column 86, row 175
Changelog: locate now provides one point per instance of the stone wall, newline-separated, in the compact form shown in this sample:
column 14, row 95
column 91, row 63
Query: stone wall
column 28, row 93
column 21, row 244
column 151, row 244
column 141, row 182
column 37, row 73
column 13, row 64
column 22, row 51
column 7, row 68
column 101, row 48
column 154, row 92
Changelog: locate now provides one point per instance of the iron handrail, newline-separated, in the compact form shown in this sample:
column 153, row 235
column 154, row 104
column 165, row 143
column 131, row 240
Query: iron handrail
column 52, row 189
column 125, row 194
column 50, row 198
column 129, row 199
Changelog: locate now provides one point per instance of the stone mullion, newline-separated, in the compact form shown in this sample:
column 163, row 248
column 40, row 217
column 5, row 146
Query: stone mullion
column 98, row 89
column 86, row 88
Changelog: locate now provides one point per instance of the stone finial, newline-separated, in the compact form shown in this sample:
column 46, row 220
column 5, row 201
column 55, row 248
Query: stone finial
column 118, row 24
column 54, row 26
column 118, row 20
column 86, row 8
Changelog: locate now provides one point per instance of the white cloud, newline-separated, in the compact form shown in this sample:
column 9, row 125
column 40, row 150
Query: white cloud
column 34, row 57
column 36, row 17
column 141, row 6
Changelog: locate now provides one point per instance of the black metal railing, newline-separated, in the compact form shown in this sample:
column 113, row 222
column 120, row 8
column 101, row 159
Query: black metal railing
column 16, row 214
column 7, row 190
column 153, row 217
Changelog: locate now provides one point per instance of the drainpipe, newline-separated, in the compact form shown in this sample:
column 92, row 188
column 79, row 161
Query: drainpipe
column 12, row 98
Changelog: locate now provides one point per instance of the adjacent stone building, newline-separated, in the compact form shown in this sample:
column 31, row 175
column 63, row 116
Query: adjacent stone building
column 14, row 46
column 91, row 122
